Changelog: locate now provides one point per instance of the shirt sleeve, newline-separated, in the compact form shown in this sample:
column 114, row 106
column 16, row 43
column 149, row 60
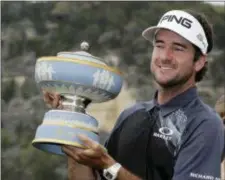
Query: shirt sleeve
column 199, row 157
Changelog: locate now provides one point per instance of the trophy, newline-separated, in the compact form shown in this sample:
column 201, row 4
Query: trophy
column 80, row 79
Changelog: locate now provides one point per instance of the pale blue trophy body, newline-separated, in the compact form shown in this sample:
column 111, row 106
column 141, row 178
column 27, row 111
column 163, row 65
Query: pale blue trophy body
column 79, row 78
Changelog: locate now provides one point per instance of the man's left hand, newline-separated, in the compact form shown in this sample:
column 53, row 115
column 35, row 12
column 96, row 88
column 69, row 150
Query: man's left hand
column 93, row 155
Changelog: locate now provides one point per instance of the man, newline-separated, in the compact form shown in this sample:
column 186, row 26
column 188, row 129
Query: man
column 220, row 109
column 175, row 136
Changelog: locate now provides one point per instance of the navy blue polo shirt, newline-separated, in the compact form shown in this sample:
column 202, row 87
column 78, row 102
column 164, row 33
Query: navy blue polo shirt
column 180, row 140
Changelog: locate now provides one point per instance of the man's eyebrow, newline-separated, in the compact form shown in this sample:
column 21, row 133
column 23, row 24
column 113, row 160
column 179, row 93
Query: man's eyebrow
column 179, row 44
column 159, row 41
column 174, row 43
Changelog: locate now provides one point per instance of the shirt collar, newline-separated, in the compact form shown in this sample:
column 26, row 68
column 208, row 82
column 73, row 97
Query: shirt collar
column 175, row 103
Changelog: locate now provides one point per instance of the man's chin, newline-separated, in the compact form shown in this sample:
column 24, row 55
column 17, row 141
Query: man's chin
column 172, row 82
column 167, row 84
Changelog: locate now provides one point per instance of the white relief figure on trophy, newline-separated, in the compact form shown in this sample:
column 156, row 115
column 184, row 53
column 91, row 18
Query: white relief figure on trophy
column 103, row 79
column 44, row 71
column 110, row 83
column 96, row 77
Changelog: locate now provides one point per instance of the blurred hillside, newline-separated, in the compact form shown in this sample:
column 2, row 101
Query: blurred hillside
column 113, row 29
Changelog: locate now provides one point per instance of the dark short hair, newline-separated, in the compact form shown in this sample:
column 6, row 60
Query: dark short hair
column 209, row 35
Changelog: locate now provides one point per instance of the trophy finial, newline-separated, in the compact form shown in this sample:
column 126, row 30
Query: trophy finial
column 84, row 46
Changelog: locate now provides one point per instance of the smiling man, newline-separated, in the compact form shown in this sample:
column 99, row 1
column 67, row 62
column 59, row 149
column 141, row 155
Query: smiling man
column 174, row 136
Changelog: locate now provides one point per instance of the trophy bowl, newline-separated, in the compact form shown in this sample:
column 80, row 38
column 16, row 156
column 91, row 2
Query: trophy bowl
column 80, row 79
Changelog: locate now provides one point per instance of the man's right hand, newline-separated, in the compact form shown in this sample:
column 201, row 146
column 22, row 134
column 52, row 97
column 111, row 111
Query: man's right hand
column 52, row 100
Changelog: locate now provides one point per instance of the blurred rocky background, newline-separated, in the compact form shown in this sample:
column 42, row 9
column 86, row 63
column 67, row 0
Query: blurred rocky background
column 30, row 29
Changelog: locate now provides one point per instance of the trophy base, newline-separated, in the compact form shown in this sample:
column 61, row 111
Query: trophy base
column 54, row 146
column 62, row 127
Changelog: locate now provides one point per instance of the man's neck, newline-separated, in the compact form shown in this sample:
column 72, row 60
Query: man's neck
column 166, row 94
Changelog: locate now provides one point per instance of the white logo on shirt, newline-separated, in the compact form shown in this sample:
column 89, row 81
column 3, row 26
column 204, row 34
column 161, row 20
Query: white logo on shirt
column 203, row 177
column 164, row 133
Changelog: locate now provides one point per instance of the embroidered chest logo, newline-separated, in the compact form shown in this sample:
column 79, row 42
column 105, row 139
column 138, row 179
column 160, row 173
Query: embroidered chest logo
column 164, row 133
column 171, row 127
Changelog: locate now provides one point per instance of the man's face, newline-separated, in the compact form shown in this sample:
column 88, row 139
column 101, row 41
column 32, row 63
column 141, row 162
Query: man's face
column 172, row 59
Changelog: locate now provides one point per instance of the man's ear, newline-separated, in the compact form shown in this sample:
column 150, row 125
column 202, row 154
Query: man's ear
column 200, row 63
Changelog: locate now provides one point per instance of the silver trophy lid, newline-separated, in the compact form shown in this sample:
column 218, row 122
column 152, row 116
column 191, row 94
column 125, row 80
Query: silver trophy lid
column 84, row 46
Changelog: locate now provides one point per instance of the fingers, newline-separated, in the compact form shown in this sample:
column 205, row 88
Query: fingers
column 87, row 142
column 52, row 99
column 55, row 102
column 76, row 154
column 93, row 156
column 83, row 154
column 92, row 150
column 91, row 153
column 47, row 98
column 71, row 151
column 92, row 144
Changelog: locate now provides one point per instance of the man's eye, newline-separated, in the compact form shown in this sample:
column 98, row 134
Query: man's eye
column 178, row 49
column 159, row 46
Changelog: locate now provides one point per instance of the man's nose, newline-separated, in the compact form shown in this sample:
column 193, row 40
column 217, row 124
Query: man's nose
column 166, row 54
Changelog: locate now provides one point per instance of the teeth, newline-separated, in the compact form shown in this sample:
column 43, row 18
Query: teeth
column 166, row 68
